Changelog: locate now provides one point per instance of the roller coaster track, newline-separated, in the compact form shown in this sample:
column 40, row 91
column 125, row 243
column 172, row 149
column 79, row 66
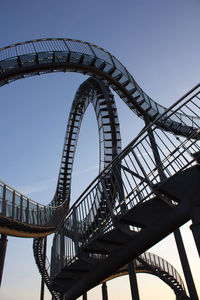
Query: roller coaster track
column 120, row 207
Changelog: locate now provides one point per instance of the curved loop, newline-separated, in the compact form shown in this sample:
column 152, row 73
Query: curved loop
column 39, row 220
column 49, row 55
column 153, row 264
column 95, row 92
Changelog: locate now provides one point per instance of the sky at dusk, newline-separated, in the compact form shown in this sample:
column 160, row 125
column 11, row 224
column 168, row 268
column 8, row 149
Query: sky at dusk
column 158, row 42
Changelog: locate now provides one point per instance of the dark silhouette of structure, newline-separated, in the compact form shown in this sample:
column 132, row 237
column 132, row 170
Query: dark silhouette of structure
column 142, row 193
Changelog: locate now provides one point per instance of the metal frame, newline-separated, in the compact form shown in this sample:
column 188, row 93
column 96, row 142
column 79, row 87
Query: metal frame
column 141, row 183
column 130, row 181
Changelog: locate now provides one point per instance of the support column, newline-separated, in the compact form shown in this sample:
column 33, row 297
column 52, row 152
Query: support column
column 133, row 281
column 195, row 227
column 43, row 269
column 85, row 296
column 104, row 291
column 3, row 246
column 185, row 265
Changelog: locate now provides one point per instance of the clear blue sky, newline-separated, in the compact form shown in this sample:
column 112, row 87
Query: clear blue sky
column 158, row 41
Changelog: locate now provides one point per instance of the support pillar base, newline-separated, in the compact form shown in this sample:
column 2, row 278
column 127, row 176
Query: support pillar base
column 3, row 246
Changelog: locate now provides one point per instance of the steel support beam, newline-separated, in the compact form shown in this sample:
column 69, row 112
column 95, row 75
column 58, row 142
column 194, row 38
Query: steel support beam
column 155, row 150
column 185, row 265
column 133, row 281
column 3, row 246
column 43, row 269
column 195, row 227
column 104, row 291
column 85, row 296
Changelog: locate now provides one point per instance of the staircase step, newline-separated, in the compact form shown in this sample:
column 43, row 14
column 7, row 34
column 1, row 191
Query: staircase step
column 108, row 245
column 145, row 213
column 97, row 247
column 62, row 285
column 79, row 265
column 115, row 236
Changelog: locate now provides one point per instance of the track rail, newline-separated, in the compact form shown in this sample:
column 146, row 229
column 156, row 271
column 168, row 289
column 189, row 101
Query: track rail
column 98, row 94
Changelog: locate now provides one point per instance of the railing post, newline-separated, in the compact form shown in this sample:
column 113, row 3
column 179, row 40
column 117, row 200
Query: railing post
column 117, row 176
column 13, row 205
column 45, row 215
column 75, row 230
column 27, row 212
column 133, row 281
column 21, row 208
column 37, row 214
column 33, row 216
column 108, row 203
column 4, row 201
column 185, row 265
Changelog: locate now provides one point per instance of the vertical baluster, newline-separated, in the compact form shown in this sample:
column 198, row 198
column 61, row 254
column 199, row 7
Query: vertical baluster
column 13, row 205
column 27, row 212
column 4, row 201
column 17, row 212
column 21, row 208
column 75, row 230
column 45, row 215
column 33, row 216
column 37, row 214
column 40, row 216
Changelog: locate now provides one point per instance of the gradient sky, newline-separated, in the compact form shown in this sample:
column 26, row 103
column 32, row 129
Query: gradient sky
column 158, row 41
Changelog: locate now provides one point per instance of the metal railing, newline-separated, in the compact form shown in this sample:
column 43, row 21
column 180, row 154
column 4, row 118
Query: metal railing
column 18, row 207
column 131, row 179
column 158, row 263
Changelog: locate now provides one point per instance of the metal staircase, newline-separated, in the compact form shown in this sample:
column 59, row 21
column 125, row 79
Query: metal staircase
column 131, row 213
column 145, row 263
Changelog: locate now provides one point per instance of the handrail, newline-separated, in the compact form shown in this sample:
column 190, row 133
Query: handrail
column 133, row 142
column 2, row 183
column 157, row 261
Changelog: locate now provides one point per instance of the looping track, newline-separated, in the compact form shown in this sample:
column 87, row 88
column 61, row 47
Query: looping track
column 112, row 196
